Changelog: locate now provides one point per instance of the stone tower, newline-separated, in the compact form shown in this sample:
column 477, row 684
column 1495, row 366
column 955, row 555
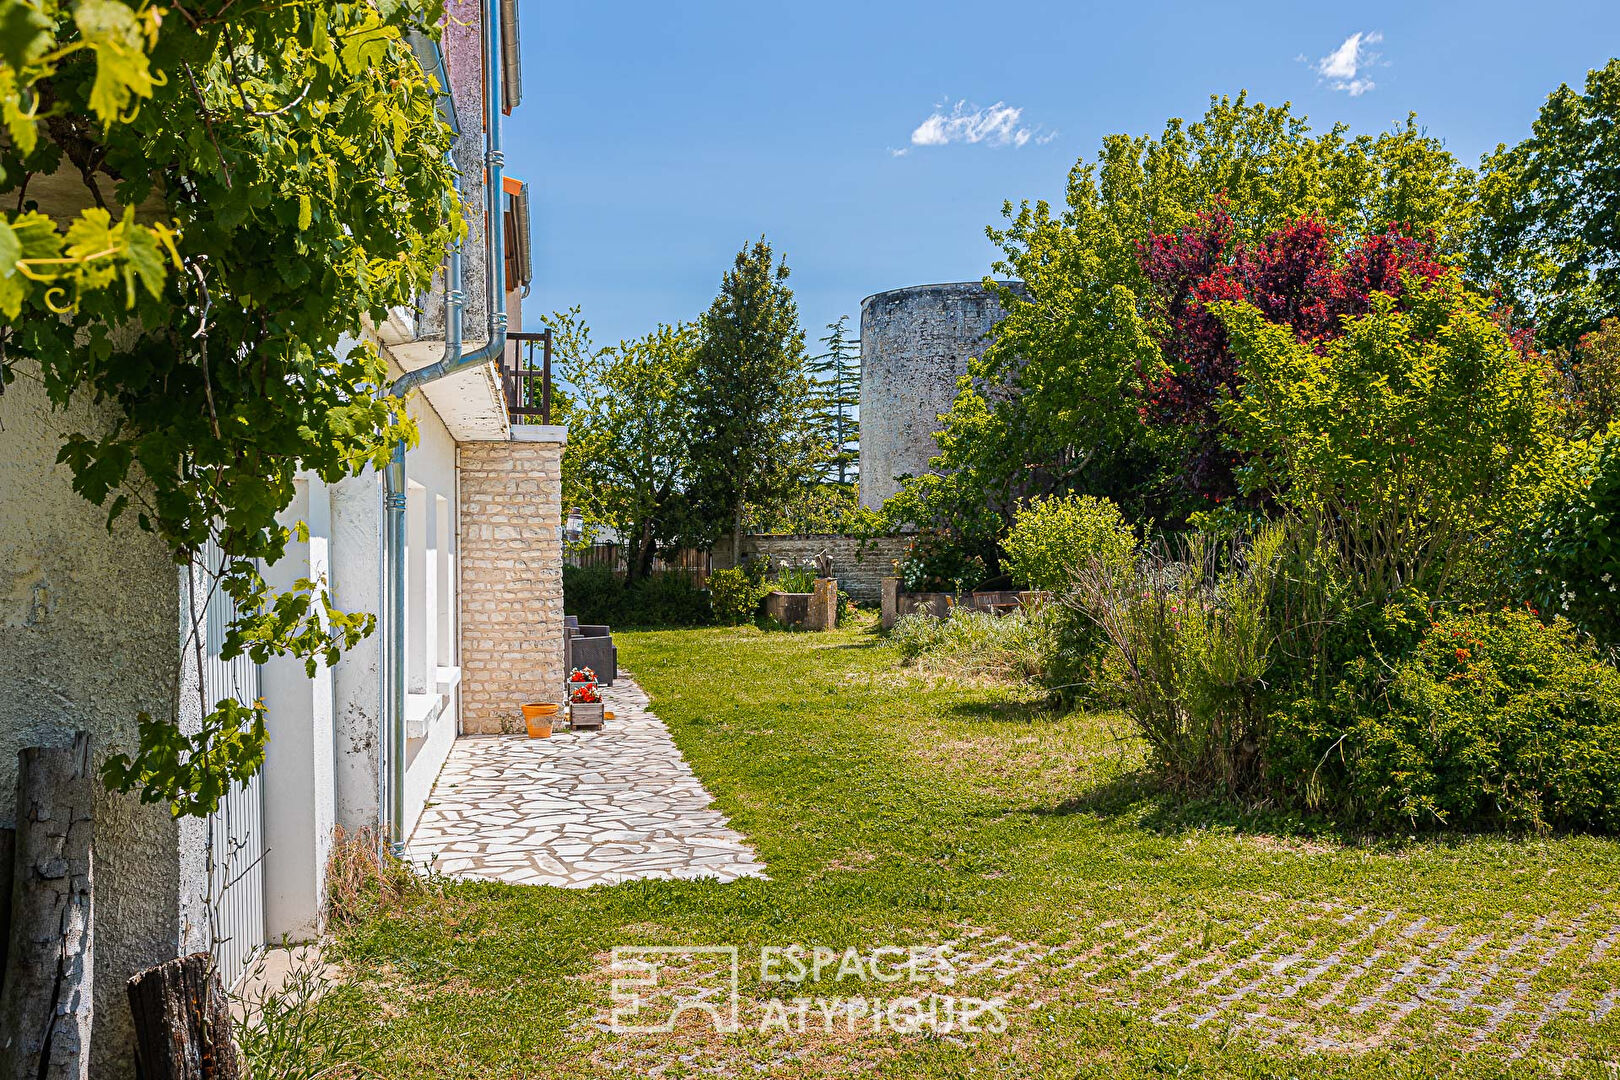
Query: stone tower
column 915, row 343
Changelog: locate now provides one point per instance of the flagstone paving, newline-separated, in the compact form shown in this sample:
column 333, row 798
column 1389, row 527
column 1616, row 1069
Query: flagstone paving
column 578, row 809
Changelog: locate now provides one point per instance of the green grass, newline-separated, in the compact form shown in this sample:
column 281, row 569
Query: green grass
column 893, row 810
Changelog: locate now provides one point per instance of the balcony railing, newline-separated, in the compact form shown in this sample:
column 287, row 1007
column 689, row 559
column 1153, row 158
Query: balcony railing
column 526, row 377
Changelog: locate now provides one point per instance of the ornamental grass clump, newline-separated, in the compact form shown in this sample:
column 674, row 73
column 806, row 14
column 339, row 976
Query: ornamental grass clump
column 1190, row 642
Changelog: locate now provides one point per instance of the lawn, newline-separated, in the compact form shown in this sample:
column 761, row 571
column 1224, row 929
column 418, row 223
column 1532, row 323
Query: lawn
column 1026, row 860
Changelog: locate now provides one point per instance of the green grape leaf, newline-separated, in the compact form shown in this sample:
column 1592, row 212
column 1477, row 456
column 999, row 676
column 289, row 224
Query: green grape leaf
column 114, row 31
column 25, row 33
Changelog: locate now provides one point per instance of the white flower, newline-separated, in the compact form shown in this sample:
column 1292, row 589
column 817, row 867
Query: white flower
column 1606, row 578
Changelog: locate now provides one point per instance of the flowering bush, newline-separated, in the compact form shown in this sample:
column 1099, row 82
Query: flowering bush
column 582, row 675
column 1492, row 719
column 1569, row 552
column 585, row 694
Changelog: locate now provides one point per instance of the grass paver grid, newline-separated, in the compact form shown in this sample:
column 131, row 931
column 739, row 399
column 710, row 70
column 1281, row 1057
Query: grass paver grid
column 1128, row 933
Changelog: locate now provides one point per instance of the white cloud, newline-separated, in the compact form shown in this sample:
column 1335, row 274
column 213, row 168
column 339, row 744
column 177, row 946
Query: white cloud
column 996, row 125
column 1346, row 66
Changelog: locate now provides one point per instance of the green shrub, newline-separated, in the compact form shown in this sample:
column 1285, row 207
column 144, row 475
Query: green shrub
column 938, row 563
column 598, row 595
column 1569, row 550
column 667, row 599
column 1053, row 539
column 1493, row 719
column 1418, row 435
column 594, row 594
column 735, row 595
column 1016, row 647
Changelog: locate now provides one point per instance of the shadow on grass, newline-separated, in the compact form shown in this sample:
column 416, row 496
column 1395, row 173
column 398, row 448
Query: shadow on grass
column 1141, row 799
column 1003, row 712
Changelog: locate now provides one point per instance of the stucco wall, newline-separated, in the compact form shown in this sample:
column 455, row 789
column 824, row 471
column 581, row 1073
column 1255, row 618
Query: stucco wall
column 858, row 573
column 357, row 567
column 511, row 580
column 915, row 344
column 90, row 637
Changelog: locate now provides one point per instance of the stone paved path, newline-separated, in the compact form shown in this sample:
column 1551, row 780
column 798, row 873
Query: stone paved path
column 578, row 809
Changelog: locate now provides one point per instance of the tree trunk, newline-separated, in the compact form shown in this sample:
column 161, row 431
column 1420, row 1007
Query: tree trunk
column 736, row 540
column 639, row 556
column 183, row 1021
column 645, row 557
column 45, row 1004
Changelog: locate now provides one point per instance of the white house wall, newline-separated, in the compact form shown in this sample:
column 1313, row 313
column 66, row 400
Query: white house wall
column 433, row 697
column 300, row 770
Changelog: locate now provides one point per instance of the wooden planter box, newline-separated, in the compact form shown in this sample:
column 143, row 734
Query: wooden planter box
column 586, row 714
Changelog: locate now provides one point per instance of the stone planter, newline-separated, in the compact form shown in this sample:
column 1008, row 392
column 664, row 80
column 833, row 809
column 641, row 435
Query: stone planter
column 897, row 602
column 788, row 608
column 806, row 611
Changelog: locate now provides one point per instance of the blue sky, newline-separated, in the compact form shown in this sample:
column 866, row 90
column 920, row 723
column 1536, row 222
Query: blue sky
column 659, row 138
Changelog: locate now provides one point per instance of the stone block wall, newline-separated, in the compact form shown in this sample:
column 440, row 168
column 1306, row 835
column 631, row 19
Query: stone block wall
column 859, row 577
column 511, row 581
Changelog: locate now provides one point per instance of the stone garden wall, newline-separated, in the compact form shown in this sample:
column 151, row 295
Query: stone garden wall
column 511, row 581
column 860, row 577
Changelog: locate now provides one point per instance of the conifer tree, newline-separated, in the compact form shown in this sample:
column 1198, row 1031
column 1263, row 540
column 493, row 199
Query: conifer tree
column 836, row 376
column 753, row 432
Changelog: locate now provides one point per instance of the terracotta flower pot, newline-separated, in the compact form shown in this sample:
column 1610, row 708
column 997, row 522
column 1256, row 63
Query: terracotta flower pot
column 538, row 716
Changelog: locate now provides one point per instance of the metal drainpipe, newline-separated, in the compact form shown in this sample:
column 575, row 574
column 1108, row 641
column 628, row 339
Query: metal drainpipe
column 452, row 361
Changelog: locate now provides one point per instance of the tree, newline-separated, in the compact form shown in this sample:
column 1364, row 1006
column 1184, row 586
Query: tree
column 1054, row 404
column 629, row 416
column 1592, row 381
column 1297, row 276
column 836, row 386
column 752, row 432
column 1448, row 440
column 256, row 182
column 1550, row 231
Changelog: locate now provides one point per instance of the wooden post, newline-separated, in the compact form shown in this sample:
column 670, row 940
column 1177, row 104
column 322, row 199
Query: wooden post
column 45, row 1004
column 183, row 1021
column 8, row 858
